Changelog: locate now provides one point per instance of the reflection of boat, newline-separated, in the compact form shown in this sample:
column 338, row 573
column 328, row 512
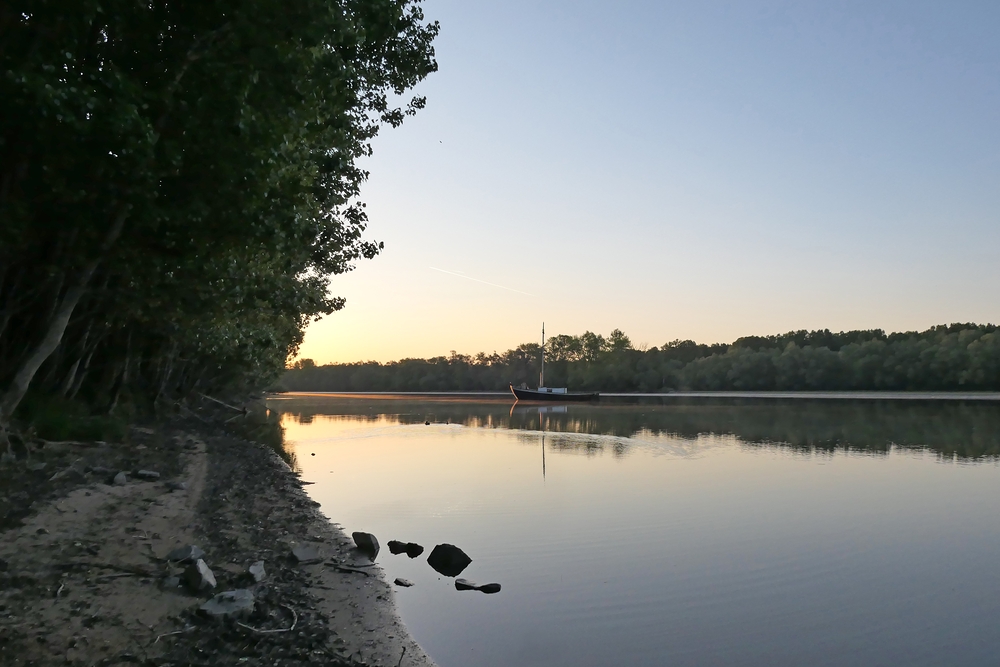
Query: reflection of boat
column 516, row 409
column 544, row 393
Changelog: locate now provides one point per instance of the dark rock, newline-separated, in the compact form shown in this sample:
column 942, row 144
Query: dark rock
column 448, row 560
column 147, row 474
column 177, row 486
column 466, row 585
column 4, row 565
column 199, row 577
column 427, row 423
column 187, row 554
column 36, row 467
column 170, row 583
column 229, row 604
column 405, row 583
column 121, row 479
column 100, row 470
column 411, row 549
column 257, row 571
column 306, row 553
column 367, row 543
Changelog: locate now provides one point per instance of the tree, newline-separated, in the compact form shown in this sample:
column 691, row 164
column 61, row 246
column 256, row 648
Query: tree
column 178, row 181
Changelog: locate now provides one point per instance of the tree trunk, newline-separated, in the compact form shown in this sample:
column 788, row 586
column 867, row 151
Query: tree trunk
column 81, row 375
column 57, row 325
column 71, row 375
column 123, row 380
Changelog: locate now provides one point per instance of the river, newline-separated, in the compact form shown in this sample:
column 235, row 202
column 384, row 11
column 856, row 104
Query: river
column 675, row 530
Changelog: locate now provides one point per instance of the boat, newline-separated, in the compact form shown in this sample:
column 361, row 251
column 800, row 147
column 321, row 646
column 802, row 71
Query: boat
column 544, row 393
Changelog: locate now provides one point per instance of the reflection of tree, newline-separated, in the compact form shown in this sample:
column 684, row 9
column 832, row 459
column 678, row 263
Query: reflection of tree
column 950, row 428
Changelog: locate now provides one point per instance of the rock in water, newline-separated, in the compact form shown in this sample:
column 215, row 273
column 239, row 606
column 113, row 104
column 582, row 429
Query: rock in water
column 187, row 554
column 199, row 577
column 466, row 585
column 305, row 554
column 121, row 479
column 229, row 604
column 367, row 543
column 257, row 571
column 448, row 559
column 411, row 549
column 147, row 474
column 405, row 583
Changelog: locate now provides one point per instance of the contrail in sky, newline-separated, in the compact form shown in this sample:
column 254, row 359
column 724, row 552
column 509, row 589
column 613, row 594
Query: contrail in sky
column 452, row 273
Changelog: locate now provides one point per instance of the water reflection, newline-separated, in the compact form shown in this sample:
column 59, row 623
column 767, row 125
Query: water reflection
column 681, row 532
column 966, row 430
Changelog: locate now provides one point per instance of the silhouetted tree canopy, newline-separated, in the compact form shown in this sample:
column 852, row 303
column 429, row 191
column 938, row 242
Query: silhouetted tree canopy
column 179, row 181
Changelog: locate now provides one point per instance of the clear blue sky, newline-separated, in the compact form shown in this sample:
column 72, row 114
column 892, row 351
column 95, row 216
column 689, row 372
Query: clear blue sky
column 698, row 170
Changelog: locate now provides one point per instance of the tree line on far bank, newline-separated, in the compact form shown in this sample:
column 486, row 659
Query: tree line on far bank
column 955, row 357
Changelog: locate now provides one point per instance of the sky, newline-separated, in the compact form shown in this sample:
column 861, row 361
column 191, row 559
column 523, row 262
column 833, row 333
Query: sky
column 682, row 170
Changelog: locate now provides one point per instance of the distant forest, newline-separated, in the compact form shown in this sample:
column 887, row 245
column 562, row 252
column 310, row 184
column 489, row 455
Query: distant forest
column 942, row 358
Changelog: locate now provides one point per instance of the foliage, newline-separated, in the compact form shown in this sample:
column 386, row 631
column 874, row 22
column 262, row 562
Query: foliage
column 58, row 418
column 944, row 358
column 192, row 167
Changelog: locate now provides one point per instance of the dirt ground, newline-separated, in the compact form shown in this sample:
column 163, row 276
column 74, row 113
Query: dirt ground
column 84, row 579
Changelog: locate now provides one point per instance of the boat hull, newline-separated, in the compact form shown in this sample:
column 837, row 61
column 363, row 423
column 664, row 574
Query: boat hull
column 550, row 397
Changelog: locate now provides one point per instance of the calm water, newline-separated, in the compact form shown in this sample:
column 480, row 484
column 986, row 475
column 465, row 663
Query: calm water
column 676, row 532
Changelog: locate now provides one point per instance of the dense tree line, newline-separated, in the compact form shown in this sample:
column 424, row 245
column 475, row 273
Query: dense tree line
column 942, row 358
column 179, row 181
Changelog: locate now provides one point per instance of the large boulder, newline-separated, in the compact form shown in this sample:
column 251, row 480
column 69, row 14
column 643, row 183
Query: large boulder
column 367, row 543
column 448, row 559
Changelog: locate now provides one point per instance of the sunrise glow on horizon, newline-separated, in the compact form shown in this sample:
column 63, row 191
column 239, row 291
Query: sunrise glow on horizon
column 704, row 172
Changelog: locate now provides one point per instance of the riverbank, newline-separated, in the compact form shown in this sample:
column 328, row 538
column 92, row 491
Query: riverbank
column 84, row 578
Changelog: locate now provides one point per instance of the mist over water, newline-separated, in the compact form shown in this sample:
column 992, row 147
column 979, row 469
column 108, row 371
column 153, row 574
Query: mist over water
column 675, row 531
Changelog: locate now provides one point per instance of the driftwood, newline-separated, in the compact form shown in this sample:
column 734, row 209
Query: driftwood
column 295, row 619
column 242, row 410
column 178, row 632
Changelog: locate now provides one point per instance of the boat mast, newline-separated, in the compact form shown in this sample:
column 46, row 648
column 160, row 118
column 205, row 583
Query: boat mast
column 541, row 376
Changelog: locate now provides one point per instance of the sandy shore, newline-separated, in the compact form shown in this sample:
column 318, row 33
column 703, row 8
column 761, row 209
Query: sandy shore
column 84, row 579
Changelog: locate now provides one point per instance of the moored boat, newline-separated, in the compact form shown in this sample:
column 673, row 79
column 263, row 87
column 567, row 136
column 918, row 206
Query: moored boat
column 544, row 393
column 551, row 394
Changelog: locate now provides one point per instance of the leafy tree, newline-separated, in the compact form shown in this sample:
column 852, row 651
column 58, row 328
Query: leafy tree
column 178, row 182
